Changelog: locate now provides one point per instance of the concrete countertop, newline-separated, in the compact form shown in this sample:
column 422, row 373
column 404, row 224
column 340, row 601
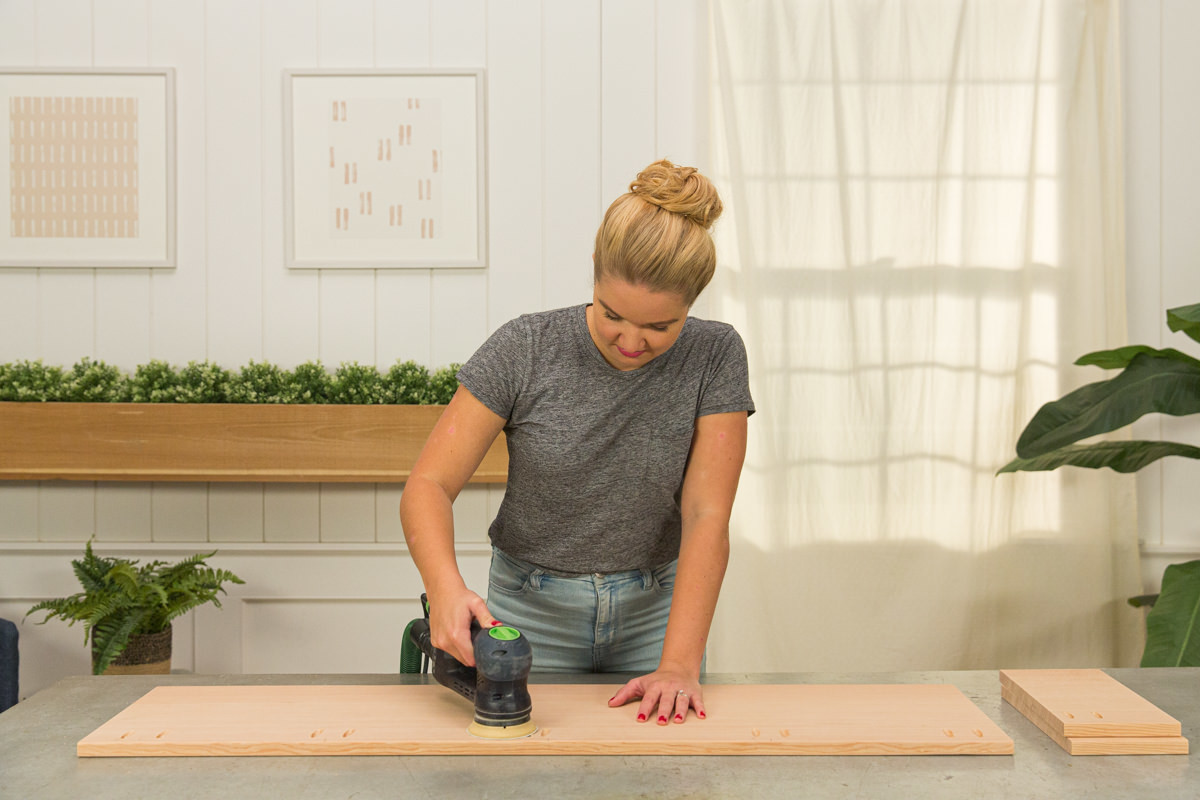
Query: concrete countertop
column 38, row 736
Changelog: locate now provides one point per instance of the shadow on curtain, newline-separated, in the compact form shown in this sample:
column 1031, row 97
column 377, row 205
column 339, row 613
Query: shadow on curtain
column 923, row 231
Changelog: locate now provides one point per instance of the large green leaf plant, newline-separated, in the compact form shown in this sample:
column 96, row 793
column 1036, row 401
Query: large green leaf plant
column 1150, row 380
column 121, row 598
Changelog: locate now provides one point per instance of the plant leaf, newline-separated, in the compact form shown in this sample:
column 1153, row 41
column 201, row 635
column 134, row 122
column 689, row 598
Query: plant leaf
column 1117, row 456
column 1120, row 358
column 1149, row 384
column 1186, row 319
column 92, row 569
column 1173, row 625
column 123, row 576
column 108, row 643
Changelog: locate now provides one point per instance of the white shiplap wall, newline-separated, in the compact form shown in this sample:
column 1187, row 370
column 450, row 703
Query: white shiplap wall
column 580, row 95
column 1162, row 131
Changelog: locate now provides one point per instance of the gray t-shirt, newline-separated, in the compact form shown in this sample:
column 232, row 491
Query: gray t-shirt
column 596, row 454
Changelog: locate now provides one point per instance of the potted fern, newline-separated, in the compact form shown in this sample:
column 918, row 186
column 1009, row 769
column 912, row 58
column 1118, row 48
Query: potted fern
column 1163, row 381
column 126, row 608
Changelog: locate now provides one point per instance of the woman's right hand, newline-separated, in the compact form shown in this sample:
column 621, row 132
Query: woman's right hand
column 450, row 616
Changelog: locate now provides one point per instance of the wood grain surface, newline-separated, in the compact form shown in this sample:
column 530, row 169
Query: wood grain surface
column 903, row 719
column 221, row 442
column 1087, row 712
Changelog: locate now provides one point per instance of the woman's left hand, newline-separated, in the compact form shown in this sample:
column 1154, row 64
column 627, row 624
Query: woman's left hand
column 666, row 696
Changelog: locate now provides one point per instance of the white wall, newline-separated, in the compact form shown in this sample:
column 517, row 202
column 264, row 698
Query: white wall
column 580, row 95
column 1162, row 141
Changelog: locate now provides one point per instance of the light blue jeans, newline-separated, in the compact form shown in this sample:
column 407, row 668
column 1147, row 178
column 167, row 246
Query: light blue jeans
column 584, row 623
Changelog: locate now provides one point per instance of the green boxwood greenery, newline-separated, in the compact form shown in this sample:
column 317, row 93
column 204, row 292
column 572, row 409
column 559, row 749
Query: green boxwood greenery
column 405, row 383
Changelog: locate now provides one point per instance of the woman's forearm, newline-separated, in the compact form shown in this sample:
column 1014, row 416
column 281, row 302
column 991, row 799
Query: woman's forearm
column 427, row 516
column 703, row 556
column 709, row 486
column 453, row 451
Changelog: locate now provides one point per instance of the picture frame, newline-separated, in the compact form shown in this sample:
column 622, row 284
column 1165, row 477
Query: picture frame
column 90, row 177
column 384, row 168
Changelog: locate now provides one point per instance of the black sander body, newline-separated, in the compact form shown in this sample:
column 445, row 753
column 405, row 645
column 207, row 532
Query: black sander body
column 498, row 684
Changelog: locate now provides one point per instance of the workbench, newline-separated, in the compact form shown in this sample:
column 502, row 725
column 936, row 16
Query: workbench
column 38, row 738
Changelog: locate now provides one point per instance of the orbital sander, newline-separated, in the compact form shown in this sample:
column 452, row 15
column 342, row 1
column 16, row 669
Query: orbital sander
column 497, row 684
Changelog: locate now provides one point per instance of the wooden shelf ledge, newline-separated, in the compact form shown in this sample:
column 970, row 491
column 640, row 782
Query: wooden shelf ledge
column 221, row 442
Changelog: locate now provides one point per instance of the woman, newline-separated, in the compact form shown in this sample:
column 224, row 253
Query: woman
column 626, row 429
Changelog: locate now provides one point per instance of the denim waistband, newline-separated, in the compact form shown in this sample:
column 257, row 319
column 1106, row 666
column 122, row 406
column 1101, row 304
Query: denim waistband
column 538, row 569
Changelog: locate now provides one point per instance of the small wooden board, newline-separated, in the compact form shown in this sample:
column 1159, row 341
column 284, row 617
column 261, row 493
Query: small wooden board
column 1089, row 713
column 572, row 719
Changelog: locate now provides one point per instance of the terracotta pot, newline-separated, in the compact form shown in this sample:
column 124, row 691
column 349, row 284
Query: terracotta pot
column 146, row 654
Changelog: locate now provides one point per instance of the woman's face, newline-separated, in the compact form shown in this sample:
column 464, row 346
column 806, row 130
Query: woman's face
column 632, row 325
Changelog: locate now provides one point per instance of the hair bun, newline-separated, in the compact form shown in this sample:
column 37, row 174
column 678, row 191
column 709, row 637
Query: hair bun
column 680, row 190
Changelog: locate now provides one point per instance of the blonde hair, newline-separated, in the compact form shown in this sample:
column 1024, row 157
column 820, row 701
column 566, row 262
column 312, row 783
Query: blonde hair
column 656, row 235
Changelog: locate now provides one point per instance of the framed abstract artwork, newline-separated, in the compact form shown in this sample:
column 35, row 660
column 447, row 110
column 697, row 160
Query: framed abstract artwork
column 89, row 178
column 384, row 168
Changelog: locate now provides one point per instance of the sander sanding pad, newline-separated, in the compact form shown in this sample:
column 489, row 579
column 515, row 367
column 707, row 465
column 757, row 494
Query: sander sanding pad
column 499, row 732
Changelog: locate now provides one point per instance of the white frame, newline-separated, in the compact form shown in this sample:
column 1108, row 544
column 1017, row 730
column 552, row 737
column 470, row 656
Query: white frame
column 154, row 244
column 311, row 170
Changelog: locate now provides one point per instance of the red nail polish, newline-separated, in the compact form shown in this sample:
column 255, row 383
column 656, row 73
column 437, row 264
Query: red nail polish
column 662, row 718
column 700, row 714
column 641, row 717
column 496, row 622
column 679, row 717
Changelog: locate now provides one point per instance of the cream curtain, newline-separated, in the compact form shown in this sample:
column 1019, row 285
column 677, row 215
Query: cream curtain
column 923, row 231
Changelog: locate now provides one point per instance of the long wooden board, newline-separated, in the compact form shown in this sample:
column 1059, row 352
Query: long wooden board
column 572, row 719
column 221, row 442
column 1089, row 713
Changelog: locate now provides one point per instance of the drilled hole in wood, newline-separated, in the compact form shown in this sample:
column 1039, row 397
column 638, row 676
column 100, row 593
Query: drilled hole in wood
column 315, row 733
column 755, row 732
column 1070, row 715
column 978, row 733
column 1097, row 715
column 161, row 734
column 785, row 732
column 126, row 733
column 347, row 733
column 948, row 732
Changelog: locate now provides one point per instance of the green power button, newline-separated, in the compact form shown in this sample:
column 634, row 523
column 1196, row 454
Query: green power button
column 504, row 633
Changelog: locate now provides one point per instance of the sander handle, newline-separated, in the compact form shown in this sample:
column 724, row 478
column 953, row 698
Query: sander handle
column 447, row 670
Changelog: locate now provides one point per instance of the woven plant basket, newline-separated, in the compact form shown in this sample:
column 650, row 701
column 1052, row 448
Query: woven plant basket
column 146, row 654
